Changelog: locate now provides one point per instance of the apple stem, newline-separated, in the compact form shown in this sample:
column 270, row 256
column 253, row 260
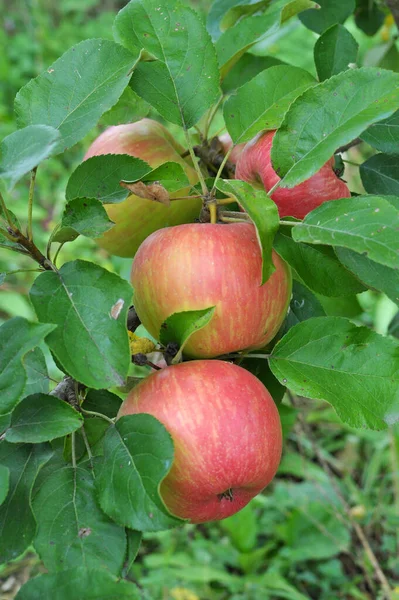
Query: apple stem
column 213, row 211
column 196, row 165
column 225, row 201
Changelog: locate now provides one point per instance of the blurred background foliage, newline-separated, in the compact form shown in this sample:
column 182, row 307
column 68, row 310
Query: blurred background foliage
column 297, row 540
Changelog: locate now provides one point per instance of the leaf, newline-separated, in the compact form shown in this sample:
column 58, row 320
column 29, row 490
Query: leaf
column 263, row 213
column 184, row 80
column 102, row 401
column 353, row 368
column 368, row 17
column 317, row 268
column 17, row 337
column 138, row 454
column 262, row 102
column 86, row 216
column 76, row 90
column 366, row 224
column 4, row 482
column 36, row 372
column 79, row 582
column 133, row 546
column 328, row 116
column 224, row 13
column 71, row 528
column 23, row 150
column 80, row 298
column 380, row 174
column 384, row 135
column 170, row 175
column 334, row 51
column 129, row 109
column 232, row 44
column 17, row 525
column 41, row 418
column 180, row 326
column 371, row 273
column 100, row 176
column 246, row 68
column 328, row 14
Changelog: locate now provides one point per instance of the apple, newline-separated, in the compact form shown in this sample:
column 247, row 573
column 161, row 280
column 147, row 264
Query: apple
column 226, row 432
column 254, row 165
column 200, row 265
column 135, row 218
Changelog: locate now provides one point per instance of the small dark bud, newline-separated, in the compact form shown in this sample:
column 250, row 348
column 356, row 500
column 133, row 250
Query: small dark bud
column 140, row 359
column 172, row 348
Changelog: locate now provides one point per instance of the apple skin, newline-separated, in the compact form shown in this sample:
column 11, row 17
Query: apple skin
column 254, row 166
column 135, row 218
column 226, row 432
column 196, row 266
column 227, row 143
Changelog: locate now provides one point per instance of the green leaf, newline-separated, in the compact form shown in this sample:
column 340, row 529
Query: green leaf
column 17, row 337
column 184, row 80
column 328, row 14
column 170, row 175
column 64, row 234
column 24, row 149
column 328, row 116
column 368, row 17
column 86, row 216
column 102, row 401
column 371, row 273
column 71, row 528
column 263, row 213
column 41, row 418
column 224, row 13
column 352, row 368
column 100, row 176
column 317, row 268
column 129, row 109
column 366, row 224
column 334, row 51
column 90, row 306
column 232, row 44
column 4, row 482
column 17, row 524
column 380, row 174
column 76, row 90
column 384, row 135
column 79, row 582
column 246, row 68
column 242, row 529
column 36, row 372
column 180, row 326
column 142, row 449
column 262, row 102
column 133, row 546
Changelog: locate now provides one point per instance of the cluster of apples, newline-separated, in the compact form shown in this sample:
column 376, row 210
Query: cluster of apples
column 224, row 423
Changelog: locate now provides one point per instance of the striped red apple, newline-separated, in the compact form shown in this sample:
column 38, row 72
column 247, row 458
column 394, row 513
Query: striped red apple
column 226, row 432
column 196, row 266
column 135, row 218
column 254, row 165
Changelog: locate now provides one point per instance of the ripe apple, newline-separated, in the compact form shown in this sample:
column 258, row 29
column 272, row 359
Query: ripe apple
column 200, row 265
column 254, row 165
column 226, row 432
column 135, row 218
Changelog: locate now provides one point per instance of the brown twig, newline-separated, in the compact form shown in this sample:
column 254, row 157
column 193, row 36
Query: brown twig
column 346, row 147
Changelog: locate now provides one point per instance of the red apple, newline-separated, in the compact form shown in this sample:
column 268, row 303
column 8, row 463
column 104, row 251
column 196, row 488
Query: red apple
column 195, row 266
column 226, row 432
column 227, row 143
column 254, row 165
column 135, row 218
